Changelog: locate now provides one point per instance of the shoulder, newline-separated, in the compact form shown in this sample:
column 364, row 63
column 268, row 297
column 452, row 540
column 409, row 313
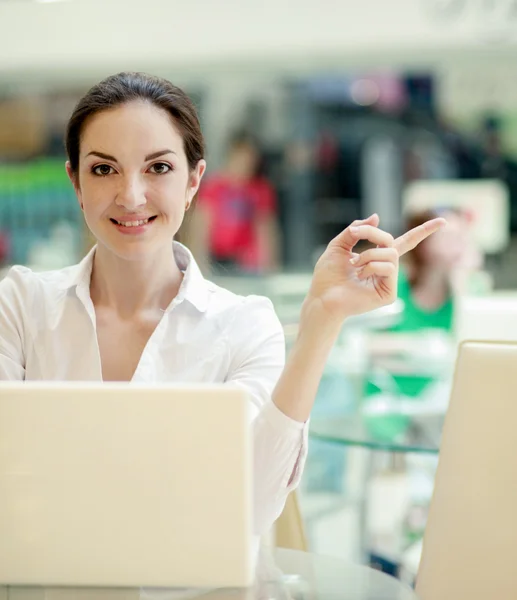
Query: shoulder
column 239, row 308
column 255, row 338
column 24, row 284
column 262, row 183
column 247, row 320
column 18, row 281
column 261, row 187
column 24, row 276
column 257, row 312
column 212, row 182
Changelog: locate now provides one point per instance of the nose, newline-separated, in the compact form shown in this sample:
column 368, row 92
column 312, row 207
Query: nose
column 131, row 194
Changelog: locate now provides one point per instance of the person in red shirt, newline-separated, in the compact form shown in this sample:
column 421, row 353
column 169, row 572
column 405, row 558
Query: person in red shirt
column 236, row 214
column 4, row 248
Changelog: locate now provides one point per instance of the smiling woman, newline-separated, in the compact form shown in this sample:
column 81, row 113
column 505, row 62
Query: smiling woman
column 137, row 308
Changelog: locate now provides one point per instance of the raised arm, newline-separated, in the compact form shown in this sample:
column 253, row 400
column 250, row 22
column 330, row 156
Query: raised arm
column 344, row 284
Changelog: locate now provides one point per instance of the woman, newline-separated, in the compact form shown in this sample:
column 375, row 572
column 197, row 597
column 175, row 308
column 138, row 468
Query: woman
column 437, row 270
column 138, row 309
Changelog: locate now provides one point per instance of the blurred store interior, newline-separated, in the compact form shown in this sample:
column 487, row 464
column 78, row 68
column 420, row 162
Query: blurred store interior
column 398, row 108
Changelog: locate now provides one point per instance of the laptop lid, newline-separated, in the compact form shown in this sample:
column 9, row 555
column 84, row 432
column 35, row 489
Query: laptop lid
column 124, row 485
column 471, row 534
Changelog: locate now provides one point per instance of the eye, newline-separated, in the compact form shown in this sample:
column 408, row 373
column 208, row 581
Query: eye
column 160, row 168
column 103, row 170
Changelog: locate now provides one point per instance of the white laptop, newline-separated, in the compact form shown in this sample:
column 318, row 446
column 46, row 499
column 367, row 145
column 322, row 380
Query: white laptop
column 124, row 485
column 471, row 533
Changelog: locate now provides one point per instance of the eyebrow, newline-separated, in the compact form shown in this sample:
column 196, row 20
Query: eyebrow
column 148, row 157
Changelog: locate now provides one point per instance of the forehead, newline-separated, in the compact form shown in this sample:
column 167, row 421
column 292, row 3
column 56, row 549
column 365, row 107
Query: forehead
column 135, row 126
column 456, row 230
column 455, row 220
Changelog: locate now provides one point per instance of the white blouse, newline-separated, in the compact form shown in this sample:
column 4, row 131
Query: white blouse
column 207, row 334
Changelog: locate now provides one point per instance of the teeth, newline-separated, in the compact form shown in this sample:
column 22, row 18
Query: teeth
column 133, row 223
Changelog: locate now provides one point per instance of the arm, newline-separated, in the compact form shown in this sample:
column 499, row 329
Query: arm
column 282, row 397
column 339, row 290
column 279, row 443
column 12, row 359
column 296, row 390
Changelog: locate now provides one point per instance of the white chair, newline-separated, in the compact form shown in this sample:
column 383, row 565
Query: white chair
column 488, row 199
column 289, row 528
column 492, row 317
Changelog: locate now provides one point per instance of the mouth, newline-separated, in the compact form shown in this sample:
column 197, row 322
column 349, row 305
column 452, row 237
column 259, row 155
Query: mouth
column 129, row 224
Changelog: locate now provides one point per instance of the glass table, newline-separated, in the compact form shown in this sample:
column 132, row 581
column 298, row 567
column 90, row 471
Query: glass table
column 395, row 432
column 384, row 437
column 387, row 419
column 281, row 575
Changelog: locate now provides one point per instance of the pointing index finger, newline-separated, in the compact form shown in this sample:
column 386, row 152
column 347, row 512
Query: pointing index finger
column 413, row 237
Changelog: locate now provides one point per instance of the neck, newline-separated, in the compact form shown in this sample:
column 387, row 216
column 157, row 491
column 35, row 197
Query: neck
column 433, row 288
column 130, row 287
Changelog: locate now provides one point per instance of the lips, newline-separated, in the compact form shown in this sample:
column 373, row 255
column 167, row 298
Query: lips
column 133, row 222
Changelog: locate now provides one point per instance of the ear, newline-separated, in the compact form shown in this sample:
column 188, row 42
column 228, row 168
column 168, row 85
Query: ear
column 195, row 180
column 75, row 182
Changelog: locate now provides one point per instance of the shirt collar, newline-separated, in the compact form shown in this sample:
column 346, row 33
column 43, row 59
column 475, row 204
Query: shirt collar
column 194, row 287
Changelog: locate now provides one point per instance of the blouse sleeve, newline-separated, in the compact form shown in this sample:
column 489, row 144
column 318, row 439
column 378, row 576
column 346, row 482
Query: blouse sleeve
column 12, row 296
column 279, row 442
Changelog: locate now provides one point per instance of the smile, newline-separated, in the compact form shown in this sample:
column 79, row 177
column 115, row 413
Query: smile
column 133, row 223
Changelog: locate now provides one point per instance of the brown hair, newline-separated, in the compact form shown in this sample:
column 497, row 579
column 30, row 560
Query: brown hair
column 128, row 87
column 415, row 260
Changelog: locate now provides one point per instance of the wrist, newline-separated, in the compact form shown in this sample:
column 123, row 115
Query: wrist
column 316, row 321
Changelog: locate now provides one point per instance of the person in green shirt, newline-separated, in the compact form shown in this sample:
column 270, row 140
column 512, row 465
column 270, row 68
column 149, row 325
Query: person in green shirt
column 435, row 273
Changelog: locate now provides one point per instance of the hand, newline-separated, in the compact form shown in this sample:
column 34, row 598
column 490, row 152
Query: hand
column 344, row 289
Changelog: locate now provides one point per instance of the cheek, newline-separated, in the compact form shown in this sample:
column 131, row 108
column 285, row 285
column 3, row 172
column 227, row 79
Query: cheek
column 170, row 193
column 97, row 194
column 93, row 201
column 435, row 250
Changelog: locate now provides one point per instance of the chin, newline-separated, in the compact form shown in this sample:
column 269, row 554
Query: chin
column 134, row 250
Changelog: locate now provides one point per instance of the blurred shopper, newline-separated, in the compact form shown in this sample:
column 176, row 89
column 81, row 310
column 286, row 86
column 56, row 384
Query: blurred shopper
column 235, row 222
column 4, row 248
column 439, row 270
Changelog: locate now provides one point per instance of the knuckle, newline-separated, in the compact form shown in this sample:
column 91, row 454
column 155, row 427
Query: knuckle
column 390, row 239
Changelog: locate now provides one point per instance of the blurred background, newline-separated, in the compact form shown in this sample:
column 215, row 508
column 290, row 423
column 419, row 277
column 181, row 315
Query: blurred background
column 314, row 114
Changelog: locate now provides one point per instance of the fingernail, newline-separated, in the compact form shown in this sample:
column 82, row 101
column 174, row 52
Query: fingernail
column 355, row 260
